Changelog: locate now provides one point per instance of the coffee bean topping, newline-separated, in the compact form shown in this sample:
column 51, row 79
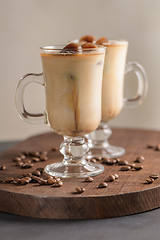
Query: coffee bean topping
column 139, row 159
column 3, row 167
column 36, row 173
column 149, row 180
column 103, row 185
column 123, row 162
column 154, row 176
column 137, row 168
column 101, row 41
column 88, row 38
column 125, row 168
column 71, row 46
column 8, row 179
column 35, row 159
column 88, row 45
column 16, row 159
column 80, row 189
column 88, row 179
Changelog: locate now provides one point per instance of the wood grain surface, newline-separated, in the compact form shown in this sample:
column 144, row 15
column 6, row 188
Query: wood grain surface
column 129, row 194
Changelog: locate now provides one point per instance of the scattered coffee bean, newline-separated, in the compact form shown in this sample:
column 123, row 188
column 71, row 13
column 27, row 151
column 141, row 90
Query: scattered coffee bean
column 16, row 159
column 1, row 180
column 93, row 160
column 36, row 173
column 35, row 159
column 49, row 177
column 80, row 189
column 58, row 184
column 28, row 165
column 35, row 178
column 103, row 185
column 42, row 181
column 88, row 179
column 152, row 145
column 34, row 153
column 149, row 180
column 111, row 161
column 17, row 181
column 8, row 179
column 125, row 168
column 139, row 159
column 51, row 181
column 117, row 160
column 43, row 153
column 29, row 179
column 116, row 175
column 98, row 158
column 19, row 164
column 154, row 176
column 22, row 156
column 105, row 160
column 57, row 178
column 157, row 148
column 43, row 157
column 111, row 178
column 132, row 165
column 24, row 181
column 137, row 168
column 54, row 149
column 123, row 162
column 25, row 153
column 3, row 167
column 27, row 175
column 27, row 160
column 40, row 169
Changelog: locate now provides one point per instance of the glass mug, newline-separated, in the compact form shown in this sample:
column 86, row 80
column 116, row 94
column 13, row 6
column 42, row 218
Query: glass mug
column 115, row 68
column 73, row 85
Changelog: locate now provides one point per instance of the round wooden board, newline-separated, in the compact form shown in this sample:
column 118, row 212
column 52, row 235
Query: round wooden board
column 129, row 194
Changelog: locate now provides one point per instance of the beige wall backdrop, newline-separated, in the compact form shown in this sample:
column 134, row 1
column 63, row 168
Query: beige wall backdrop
column 25, row 25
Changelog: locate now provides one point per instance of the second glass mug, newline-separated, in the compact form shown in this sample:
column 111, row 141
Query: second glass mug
column 73, row 85
column 115, row 68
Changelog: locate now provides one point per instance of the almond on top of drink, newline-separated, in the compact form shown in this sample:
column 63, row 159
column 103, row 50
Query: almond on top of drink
column 71, row 79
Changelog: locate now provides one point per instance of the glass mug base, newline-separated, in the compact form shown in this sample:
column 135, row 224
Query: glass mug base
column 110, row 152
column 60, row 169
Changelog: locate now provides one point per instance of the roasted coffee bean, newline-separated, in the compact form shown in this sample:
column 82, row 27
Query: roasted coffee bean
column 116, row 175
column 123, row 162
column 149, row 180
column 80, row 189
column 132, row 165
column 117, row 160
column 22, row 156
column 57, row 178
column 1, row 180
column 98, row 158
column 25, row 153
column 29, row 179
column 36, row 173
column 111, row 178
column 54, row 149
column 43, row 153
column 43, row 157
column 27, row 175
column 151, row 145
column 19, row 164
column 35, row 159
column 3, row 167
column 58, row 184
column 17, row 181
column 88, row 179
column 42, row 182
column 35, row 178
column 24, row 181
column 34, row 153
column 16, row 159
column 27, row 160
column 154, row 176
column 51, row 181
column 71, row 46
column 49, row 177
column 139, row 159
column 93, row 160
column 29, row 165
column 103, row 185
column 125, row 168
column 137, row 168
column 88, row 45
column 40, row 169
column 157, row 148
column 24, row 165
column 111, row 162
column 8, row 179
column 105, row 160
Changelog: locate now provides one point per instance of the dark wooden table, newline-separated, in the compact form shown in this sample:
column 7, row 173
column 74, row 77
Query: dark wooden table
column 141, row 226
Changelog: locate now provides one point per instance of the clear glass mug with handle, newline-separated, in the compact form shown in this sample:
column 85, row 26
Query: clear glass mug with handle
column 73, row 83
column 115, row 68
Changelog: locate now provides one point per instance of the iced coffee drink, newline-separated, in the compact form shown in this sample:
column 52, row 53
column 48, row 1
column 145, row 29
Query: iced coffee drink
column 73, row 91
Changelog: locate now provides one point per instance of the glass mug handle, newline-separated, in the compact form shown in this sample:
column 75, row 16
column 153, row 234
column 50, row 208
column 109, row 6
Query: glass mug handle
column 32, row 118
column 142, row 84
